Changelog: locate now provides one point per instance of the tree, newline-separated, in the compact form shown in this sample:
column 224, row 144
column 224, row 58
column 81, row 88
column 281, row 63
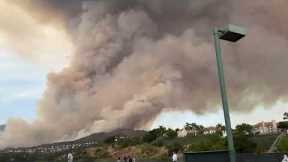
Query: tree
column 200, row 129
column 283, row 125
column 243, row 144
column 220, row 129
column 171, row 133
column 154, row 134
column 161, row 130
column 244, row 129
column 188, row 127
column 285, row 116
column 149, row 136
column 193, row 128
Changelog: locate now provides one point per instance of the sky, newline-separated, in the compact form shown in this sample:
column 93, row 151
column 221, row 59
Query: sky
column 22, row 84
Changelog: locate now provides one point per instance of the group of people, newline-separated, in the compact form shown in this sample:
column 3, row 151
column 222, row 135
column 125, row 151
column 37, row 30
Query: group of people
column 126, row 159
column 174, row 158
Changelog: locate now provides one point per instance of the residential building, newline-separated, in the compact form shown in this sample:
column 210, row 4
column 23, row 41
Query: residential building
column 182, row 133
column 264, row 128
column 210, row 130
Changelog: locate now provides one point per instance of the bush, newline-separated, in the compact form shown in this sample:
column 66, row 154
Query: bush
column 211, row 143
column 126, row 142
column 174, row 147
column 110, row 140
column 148, row 150
column 158, row 132
column 243, row 144
column 283, row 125
column 158, row 142
column 244, row 129
column 171, row 133
column 283, row 144
column 149, row 137
column 101, row 153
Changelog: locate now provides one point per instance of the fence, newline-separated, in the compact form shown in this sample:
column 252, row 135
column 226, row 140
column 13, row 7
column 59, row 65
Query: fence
column 222, row 156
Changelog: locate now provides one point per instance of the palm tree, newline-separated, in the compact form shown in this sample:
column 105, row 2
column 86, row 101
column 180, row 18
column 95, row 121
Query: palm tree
column 220, row 129
column 187, row 126
column 191, row 128
column 200, row 129
column 162, row 130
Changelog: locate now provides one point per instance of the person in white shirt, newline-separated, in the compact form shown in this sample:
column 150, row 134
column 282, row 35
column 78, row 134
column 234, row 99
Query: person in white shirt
column 134, row 159
column 70, row 157
column 285, row 158
column 174, row 157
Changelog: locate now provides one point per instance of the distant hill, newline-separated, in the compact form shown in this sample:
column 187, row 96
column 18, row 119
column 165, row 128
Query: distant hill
column 101, row 137
column 2, row 128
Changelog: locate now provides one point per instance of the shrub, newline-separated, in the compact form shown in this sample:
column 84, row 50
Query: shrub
column 174, row 147
column 101, row 153
column 283, row 144
column 243, row 144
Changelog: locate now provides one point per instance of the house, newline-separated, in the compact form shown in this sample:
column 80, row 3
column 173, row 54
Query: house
column 210, row 130
column 264, row 128
column 182, row 133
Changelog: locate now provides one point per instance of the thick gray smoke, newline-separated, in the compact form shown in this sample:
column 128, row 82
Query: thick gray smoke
column 138, row 58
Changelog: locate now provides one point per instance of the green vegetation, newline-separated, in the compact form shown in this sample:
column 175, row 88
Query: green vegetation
column 283, row 144
column 206, row 143
column 263, row 142
column 283, row 125
column 246, row 142
column 244, row 129
column 160, row 142
column 285, row 116
column 242, row 138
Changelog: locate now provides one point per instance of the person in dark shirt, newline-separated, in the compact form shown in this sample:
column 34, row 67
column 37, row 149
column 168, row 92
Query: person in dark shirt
column 130, row 159
column 125, row 159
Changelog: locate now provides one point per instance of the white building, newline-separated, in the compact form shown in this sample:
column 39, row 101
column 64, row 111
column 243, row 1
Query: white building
column 210, row 130
column 264, row 128
column 182, row 133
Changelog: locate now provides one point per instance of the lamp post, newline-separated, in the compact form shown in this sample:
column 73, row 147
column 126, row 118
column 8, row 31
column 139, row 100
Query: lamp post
column 231, row 33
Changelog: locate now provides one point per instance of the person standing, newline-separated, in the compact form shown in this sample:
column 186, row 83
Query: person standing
column 174, row 157
column 285, row 159
column 130, row 159
column 70, row 157
column 134, row 159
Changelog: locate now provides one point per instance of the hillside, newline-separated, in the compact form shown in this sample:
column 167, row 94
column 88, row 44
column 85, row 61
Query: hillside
column 157, row 143
column 132, row 145
column 96, row 138
column 100, row 137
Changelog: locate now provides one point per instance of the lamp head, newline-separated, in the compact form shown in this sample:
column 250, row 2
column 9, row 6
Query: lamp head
column 232, row 33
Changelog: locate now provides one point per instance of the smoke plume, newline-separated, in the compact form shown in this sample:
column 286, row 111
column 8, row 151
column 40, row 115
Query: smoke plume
column 137, row 58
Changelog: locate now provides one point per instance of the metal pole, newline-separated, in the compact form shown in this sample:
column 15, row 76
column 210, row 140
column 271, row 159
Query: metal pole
column 232, row 153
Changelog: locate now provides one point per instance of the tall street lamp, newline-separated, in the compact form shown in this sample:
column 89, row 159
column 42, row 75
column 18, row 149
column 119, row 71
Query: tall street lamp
column 230, row 33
